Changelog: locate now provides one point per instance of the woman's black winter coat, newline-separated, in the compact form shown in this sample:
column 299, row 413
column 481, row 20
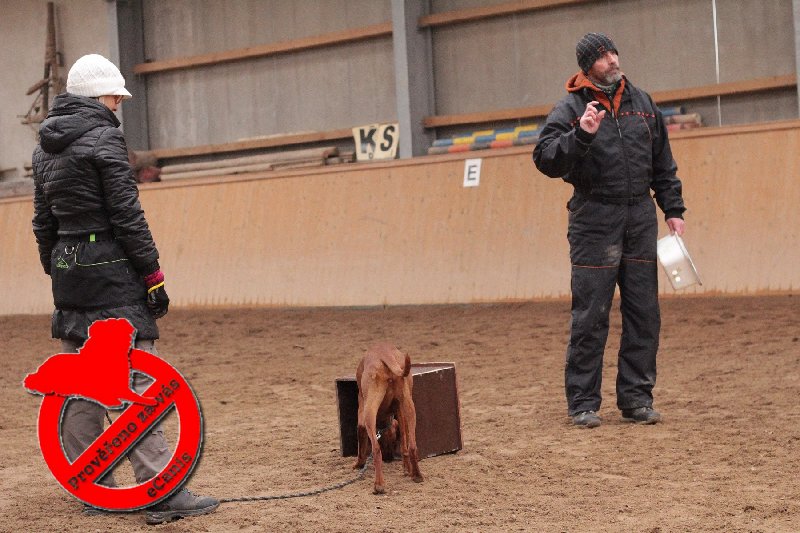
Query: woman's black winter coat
column 84, row 185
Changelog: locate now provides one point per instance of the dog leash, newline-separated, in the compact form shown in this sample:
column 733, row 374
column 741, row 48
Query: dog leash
column 300, row 494
column 312, row 492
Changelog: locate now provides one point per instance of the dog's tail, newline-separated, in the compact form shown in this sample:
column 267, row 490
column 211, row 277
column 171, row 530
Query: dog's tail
column 391, row 363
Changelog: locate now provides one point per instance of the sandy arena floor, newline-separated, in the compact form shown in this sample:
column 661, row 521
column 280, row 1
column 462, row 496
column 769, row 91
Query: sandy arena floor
column 725, row 459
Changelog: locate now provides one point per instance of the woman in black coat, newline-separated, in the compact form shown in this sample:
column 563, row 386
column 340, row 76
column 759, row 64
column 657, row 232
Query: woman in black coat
column 95, row 244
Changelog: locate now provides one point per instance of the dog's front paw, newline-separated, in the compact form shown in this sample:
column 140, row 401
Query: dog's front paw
column 379, row 489
column 418, row 478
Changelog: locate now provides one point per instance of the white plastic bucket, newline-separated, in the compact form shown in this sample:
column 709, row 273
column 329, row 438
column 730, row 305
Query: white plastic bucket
column 677, row 263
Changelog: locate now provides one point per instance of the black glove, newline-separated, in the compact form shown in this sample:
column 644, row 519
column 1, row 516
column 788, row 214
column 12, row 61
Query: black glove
column 157, row 299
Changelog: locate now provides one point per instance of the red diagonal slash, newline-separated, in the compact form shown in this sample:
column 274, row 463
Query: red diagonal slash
column 79, row 477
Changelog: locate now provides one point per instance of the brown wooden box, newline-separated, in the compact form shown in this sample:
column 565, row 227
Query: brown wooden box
column 436, row 402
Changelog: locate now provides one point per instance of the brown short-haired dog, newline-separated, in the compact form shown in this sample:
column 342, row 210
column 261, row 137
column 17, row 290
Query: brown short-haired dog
column 385, row 403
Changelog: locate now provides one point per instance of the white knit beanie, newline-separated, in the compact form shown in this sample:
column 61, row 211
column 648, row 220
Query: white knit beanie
column 94, row 75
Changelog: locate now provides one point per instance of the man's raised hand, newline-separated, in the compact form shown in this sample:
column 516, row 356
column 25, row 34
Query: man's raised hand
column 590, row 121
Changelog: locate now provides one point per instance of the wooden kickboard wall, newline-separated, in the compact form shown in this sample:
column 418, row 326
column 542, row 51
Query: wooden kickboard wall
column 408, row 232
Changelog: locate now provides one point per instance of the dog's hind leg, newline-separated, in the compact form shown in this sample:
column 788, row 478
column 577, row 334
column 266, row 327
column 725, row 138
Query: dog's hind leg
column 408, row 439
column 373, row 402
column 363, row 448
column 363, row 437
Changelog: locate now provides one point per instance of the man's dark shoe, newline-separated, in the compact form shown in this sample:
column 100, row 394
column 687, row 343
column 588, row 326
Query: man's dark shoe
column 586, row 419
column 641, row 415
column 180, row 505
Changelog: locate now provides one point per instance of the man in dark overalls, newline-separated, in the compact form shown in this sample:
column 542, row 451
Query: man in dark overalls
column 608, row 140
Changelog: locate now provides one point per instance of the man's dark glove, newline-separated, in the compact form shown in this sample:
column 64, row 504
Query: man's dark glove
column 157, row 299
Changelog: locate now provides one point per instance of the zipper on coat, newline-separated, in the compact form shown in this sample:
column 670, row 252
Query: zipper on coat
column 622, row 143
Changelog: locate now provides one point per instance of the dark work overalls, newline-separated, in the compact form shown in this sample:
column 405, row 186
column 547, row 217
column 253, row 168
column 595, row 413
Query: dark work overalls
column 612, row 243
column 612, row 234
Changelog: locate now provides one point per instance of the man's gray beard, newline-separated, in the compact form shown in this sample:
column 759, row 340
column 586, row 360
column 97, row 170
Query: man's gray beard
column 611, row 79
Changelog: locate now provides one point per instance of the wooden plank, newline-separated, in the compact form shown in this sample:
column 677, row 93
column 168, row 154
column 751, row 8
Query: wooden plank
column 273, row 158
column 719, row 131
column 726, row 89
column 245, row 169
column 488, row 116
column 253, row 144
column 692, row 93
column 217, row 171
column 284, row 47
column 480, row 13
